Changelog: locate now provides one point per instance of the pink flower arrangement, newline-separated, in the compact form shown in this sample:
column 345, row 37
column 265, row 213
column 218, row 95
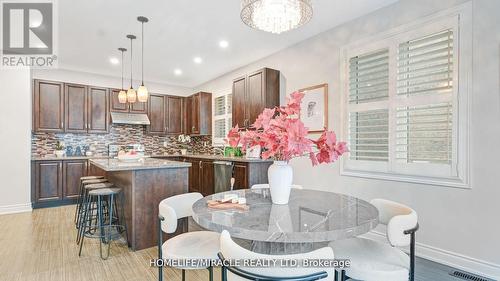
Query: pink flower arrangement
column 283, row 136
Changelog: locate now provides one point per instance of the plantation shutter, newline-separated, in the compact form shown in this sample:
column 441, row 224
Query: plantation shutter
column 369, row 77
column 220, row 106
column 369, row 126
column 369, row 135
column 220, row 128
column 424, row 131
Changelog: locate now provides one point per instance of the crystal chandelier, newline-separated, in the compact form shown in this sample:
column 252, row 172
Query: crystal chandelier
column 276, row 16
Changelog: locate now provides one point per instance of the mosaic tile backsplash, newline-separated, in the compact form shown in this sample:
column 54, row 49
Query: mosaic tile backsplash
column 43, row 144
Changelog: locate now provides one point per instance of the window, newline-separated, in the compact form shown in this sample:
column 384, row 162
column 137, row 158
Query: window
column 222, row 121
column 402, row 115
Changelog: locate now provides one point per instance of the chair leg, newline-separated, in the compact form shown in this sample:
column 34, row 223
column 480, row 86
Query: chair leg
column 412, row 256
column 83, row 226
column 342, row 275
column 210, row 273
column 183, row 275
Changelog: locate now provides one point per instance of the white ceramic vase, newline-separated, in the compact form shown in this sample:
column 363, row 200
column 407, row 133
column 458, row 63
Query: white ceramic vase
column 184, row 151
column 60, row 153
column 280, row 176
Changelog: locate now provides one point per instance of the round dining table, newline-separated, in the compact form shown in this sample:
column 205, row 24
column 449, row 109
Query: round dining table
column 309, row 221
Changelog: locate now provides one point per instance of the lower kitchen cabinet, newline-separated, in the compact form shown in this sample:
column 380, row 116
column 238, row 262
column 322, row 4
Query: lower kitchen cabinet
column 56, row 182
column 73, row 170
column 194, row 175
column 247, row 174
column 207, row 177
column 47, row 182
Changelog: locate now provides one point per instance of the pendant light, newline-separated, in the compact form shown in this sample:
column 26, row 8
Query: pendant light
column 142, row 91
column 122, row 95
column 131, row 94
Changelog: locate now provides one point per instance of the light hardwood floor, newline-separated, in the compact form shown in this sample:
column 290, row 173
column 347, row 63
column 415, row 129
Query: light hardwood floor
column 40, row 246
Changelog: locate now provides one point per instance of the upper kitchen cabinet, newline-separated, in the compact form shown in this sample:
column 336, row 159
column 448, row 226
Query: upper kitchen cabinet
column 157, row 115
column 252, row 93
column 48, row 106
column 97, row 110
column 116, row 106
column 166, row 115
column 199, row 114
column 71, row 108
column 75, row 108
column 175, row 115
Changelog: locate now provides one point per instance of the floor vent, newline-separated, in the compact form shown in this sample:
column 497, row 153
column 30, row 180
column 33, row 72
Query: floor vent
column 468, row 276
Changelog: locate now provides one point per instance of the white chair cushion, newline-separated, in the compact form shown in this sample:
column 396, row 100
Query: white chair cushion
column 192, row 245
column 371, row 260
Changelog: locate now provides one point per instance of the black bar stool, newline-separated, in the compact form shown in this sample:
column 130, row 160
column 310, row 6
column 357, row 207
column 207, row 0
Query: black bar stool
column 83, row 181
column 89, row 185
column 109, row 225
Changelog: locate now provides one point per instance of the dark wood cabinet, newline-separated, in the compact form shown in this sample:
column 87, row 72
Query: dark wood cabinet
column 97, row 110
column 71, row 108
column 157, row 115
column 175, row 115
column 116, row 106
column 238, row 106
column 199, row 109
column 165, row 115
column 47, row 181
column 253, row 93
column 240, row 176
column 194, row 175
column 139, row 107
column 73, row 170
column 75, row 108
column 207, row 177
column 114, row 103
column 48, row 106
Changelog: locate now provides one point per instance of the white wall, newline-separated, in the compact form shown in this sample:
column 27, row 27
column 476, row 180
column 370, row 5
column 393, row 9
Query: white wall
column 70, row 76
column 458, row 226
column 15, row 141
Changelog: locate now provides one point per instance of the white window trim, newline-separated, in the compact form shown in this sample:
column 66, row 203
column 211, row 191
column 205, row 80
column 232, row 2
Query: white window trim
column 459, row 19
column 219, row 142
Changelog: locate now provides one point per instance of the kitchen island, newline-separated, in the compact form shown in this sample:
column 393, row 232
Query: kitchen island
column 145, row 183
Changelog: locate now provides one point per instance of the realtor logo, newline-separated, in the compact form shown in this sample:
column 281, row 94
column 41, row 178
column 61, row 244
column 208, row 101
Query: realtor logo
column 28, row 35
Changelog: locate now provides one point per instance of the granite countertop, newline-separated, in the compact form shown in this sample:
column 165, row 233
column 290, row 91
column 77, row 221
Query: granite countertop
column 211, row 157
column 110, row 165
column 53, row 157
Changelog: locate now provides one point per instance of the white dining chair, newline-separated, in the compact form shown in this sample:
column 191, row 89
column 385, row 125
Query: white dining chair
column 375, row 261
column 266, row 185
column 200, row 245
column 229, row 250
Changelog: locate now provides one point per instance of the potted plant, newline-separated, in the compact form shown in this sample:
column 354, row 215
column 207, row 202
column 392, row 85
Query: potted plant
column 184, row 140
column 283, row 136
column 60, row 150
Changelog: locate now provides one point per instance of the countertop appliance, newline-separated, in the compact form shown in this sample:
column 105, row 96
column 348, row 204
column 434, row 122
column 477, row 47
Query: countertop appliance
column 113, row 149
column 223, row 172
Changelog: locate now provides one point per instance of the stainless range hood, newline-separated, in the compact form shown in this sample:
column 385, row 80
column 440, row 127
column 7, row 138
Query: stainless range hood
column 129, row 118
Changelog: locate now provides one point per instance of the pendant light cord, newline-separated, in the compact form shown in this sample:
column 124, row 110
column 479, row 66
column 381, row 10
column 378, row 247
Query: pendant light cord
column 131, row 62
column 122, row 69
column 142, row 51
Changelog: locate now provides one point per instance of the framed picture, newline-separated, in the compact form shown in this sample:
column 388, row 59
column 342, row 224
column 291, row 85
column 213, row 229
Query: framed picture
column 314, row 108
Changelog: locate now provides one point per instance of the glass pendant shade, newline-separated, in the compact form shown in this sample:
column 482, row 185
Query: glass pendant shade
column 142, row 94
column 276, row 16
column 122, row 96
column 131, row 95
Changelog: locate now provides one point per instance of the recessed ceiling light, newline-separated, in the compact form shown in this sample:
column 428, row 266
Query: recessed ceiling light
column 114, row 60
column 197, row 60
column 223, row 44
column 177, row 71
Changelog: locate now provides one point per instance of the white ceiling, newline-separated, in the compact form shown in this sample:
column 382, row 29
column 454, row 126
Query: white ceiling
column 90, row 31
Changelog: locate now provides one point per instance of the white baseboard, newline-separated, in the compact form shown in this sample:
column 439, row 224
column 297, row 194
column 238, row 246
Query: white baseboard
column 18, row 208
column 459, row 261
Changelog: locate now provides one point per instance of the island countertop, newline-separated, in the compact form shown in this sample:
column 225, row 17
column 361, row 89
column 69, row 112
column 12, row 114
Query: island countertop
column 110, row 165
